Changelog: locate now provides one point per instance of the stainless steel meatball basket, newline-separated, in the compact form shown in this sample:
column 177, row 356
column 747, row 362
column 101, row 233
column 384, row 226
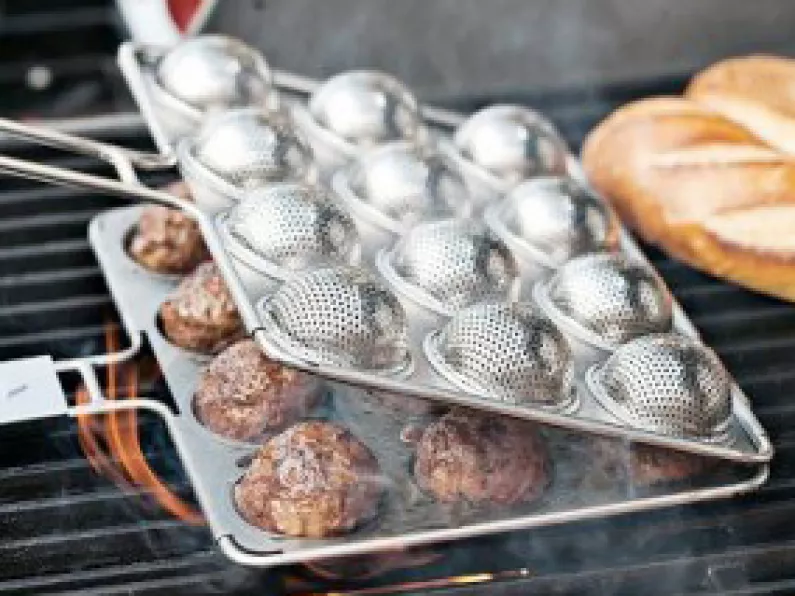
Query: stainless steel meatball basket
column 138, row 293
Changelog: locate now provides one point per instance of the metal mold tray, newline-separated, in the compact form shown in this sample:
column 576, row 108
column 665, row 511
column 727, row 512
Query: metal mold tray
column 579, row 489
column 751, row 445
column 137, row 62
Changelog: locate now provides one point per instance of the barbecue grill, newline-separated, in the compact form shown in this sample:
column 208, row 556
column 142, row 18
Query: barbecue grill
column 68, row 529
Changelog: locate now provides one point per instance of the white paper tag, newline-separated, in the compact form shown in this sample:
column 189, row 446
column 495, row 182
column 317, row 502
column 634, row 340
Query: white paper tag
column 30, row 389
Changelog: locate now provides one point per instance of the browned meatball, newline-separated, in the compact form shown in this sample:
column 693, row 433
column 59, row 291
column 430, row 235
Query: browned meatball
column 314, row 479
column 476, row 457
column 167, row 240
column 201, row 315
column 644, row 465
column 243, row 394
column 652, row 465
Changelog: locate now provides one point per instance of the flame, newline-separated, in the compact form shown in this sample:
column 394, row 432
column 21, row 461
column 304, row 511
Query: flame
column 435, row 584
column 112, row 447
column 410, row 587
column 124, row 462
column 374, row 565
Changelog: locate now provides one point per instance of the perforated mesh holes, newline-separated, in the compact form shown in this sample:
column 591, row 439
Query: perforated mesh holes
column 366, row 108
column 672, row 385
column 512, row 143
column 455, row 262
column 294, row 226
column 249, row 148
column 557, row 217
column 215, row 71
column 409, row 184
column 509, row 352
column 342, row 316
column 612, row 297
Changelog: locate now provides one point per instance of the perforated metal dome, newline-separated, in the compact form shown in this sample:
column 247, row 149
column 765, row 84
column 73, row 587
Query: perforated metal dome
column 668, row 384
column 409, row 184
column 508, row 352
column 248, row 148
column 611, row 297
column 214, row 71
column 454, row 263
column 293, row 226
column 554, row 219
column 340, row 316
column 512, row 143
column 366, row 108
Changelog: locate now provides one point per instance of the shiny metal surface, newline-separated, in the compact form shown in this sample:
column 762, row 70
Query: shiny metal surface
column 366, row 108
column 448, row 265
column 248, row 148
column 215, row 71
column 290, row 227
column 610, row 298
column 512, row 143
column 552, row 220
column 213, row 465
column 341, row 316
column 408, row 184
column 668, row 384
column 752, row 445
column 509, row 352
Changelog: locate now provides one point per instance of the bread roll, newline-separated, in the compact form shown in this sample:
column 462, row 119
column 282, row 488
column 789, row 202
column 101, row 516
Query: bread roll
column 757, row 92
column 709, row 182
column 764, row 80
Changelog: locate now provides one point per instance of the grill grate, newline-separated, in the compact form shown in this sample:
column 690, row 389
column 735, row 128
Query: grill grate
column 62, row 53
column 67, row 531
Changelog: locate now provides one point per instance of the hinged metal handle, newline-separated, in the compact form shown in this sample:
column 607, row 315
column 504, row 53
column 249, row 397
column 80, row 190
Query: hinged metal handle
column 124, row 160
column 126, row 187
column 30, row 390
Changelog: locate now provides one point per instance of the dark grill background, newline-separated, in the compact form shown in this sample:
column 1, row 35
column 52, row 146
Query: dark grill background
column 67, row 531
column 75, row 42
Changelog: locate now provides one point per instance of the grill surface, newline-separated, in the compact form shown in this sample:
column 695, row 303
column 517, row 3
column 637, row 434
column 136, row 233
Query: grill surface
column 56, row 57
column 67, row 531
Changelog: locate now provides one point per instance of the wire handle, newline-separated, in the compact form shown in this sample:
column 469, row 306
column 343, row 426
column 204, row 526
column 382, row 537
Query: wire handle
column 121, row 158
column 127, row 187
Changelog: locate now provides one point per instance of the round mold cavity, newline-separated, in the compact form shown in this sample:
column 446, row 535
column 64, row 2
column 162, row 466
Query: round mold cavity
column 342, row 317
column 448, row 265
column 667, row 384
column 508, row 353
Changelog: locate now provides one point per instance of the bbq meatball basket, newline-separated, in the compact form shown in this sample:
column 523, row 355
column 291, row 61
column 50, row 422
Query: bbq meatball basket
column 388, row 282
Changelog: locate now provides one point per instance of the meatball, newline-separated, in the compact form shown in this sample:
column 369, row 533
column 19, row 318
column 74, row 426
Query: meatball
column 167, row 240
column 201, row 315
column 644, row 465
column 652, row 465
column 479, row 458
column 314, row 479
column 243, row 394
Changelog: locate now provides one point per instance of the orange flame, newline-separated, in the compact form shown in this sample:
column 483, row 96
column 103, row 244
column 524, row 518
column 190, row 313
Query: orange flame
column 375, row 564
column 112, row 446
column 431, row 584
column 124, row 462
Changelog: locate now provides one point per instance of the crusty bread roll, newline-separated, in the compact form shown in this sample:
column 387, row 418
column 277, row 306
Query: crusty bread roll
column 710, row 177
column 767, row 80
column 757, row 92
